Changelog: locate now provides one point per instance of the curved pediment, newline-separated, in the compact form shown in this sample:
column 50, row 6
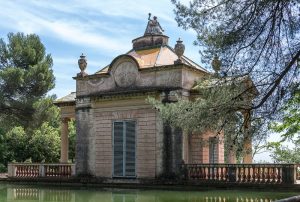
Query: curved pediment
column 125, row 70
column 123, row 58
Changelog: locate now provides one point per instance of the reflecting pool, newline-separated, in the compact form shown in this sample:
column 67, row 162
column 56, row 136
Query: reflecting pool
column 26, row 193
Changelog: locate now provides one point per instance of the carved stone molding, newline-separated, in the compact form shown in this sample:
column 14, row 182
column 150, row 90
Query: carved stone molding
column 96, row 82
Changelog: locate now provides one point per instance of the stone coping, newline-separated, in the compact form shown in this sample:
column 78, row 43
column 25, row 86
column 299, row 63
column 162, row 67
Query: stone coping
column 147, row 184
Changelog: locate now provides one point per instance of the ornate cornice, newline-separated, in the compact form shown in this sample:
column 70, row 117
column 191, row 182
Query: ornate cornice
column 127, row 94
column 64, row 103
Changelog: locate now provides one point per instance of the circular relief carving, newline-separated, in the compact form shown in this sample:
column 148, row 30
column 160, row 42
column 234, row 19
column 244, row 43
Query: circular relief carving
column 125, row 74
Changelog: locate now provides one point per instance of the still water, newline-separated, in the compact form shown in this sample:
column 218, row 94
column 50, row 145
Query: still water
column 22, row 193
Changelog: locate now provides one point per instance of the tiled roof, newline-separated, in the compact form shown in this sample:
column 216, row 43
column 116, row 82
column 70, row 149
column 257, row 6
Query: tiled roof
column 68, row 98
column 155, row 57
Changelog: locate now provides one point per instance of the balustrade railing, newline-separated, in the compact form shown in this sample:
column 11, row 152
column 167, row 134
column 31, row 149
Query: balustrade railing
column 241, row 173
column 32, row 170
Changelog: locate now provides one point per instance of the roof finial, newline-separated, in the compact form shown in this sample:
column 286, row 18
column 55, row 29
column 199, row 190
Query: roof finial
column 153, row 26
column 179, row 50
column 82, row 63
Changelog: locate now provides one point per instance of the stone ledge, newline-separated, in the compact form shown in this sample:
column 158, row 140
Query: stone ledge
column 149, row 184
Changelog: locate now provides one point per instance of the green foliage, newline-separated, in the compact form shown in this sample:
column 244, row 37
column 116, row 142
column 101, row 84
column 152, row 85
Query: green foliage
column 45, row 111
column 72, row 139
column 29, row 121
column 25, row 76
column 39, row 142
column 284, row 154
column 3, row 168
column 16, row 145
column 215, row 107
column 289, row 126
column 258, row 38
column 45, row 144
column 218, row 106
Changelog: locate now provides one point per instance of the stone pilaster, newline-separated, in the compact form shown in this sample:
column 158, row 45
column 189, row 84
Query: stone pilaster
column 64, row 148
column 172, row 149
column 83, row 131
column 176, row 149
column 159, row 150
column 185, row 147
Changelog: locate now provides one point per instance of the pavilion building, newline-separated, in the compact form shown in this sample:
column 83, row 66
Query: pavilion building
column 119, row 134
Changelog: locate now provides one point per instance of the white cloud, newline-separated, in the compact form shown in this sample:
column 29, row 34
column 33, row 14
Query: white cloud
column 70, row 31
column 75, row 34
column 134, row 9
column 72, row 61
column 100, row 29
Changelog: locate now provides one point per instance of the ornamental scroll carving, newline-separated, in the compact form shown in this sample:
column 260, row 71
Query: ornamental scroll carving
column 96, row 82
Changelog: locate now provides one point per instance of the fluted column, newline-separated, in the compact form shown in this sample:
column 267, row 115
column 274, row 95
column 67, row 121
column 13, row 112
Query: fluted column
column 64, row 145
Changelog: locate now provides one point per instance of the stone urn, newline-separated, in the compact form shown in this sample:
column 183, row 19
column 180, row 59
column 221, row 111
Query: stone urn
column 82, row 63
column 216, row 64
column 179, row 50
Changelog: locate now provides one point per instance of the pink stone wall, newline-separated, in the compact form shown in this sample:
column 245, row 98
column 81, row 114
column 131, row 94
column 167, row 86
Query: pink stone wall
column 195, row 149
column 199, row 147
column 145, row 140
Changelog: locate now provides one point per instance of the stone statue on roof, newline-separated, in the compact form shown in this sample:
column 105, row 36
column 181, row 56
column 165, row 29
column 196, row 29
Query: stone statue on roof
column 153, row 26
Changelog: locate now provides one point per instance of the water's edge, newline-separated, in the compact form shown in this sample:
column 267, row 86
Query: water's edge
column 151, row 185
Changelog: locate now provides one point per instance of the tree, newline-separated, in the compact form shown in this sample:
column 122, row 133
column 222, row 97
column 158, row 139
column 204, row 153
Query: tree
column 72, row 139
column 258, row 38
column 255, row 39
column 25, row 76
column 289, row 127
column 284, row 154
column 16, row 146
column 45, row 111
column 40, row 141
column 45, row 144
column 219, row 106
column 28, row 119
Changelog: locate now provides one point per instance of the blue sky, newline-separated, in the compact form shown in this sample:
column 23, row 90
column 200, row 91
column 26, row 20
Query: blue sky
column 101, row 30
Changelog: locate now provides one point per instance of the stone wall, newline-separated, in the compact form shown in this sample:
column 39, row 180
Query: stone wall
column 170, row 77
column 195, row 149
column 199, row 147
column 148, row 137
column 84, row 142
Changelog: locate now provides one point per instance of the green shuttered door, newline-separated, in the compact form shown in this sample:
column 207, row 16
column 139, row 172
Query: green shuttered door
column 124, row 149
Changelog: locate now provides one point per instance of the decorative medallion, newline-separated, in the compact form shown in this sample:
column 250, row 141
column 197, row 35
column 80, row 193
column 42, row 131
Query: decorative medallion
column 125, row 74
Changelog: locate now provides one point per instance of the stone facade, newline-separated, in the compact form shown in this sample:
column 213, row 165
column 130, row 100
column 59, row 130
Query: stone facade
column 117, row 94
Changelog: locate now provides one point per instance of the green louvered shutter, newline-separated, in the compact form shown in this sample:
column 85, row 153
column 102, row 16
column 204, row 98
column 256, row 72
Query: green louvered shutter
column 124, row 149
column 118, row 149
column 130, row 148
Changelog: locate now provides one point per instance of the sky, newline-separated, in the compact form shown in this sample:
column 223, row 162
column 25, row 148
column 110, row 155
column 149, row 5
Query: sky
column 101, row 29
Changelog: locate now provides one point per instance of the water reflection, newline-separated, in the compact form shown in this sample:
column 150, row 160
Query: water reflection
column 22, row 194
column 32, row 194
